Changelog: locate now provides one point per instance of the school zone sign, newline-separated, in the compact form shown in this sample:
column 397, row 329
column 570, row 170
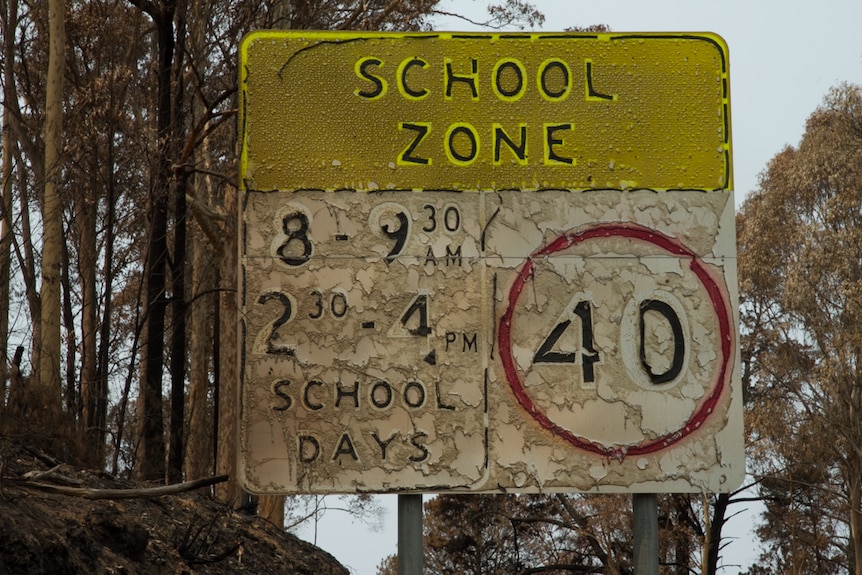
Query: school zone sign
column 487, row 263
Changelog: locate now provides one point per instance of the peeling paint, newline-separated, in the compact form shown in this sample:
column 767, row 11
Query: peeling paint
column 412, row 326
column 391, row 372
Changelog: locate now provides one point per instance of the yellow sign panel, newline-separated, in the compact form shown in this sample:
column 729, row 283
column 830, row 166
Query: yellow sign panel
column 369, row 111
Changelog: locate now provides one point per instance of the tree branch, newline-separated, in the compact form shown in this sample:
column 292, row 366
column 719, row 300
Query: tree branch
column 563, row 567
column 140, row 493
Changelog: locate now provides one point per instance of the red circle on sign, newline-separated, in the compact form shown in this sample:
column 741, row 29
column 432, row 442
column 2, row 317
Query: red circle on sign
column 667, row 244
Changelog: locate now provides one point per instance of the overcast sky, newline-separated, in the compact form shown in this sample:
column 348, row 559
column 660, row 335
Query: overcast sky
column 784, row 58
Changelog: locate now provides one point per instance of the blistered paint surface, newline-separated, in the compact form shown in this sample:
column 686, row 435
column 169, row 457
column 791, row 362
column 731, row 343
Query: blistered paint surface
column 531, row 340
column 472, row 112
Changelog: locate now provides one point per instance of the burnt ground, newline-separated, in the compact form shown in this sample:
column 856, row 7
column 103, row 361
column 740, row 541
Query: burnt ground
column 183, row 534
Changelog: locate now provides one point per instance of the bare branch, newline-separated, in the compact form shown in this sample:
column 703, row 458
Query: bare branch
column 140, row 493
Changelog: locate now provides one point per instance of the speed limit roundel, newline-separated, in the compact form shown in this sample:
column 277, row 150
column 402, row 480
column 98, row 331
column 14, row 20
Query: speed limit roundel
column 666, row 387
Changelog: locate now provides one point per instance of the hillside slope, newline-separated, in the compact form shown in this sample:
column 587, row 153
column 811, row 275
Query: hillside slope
column 182, row 534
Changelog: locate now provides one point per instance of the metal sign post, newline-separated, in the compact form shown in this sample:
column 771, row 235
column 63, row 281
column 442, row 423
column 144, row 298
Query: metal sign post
column 410, row 544
column 645, row 515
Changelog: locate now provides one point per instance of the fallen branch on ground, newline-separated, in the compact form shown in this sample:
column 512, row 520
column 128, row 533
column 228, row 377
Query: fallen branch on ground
column 139, row 493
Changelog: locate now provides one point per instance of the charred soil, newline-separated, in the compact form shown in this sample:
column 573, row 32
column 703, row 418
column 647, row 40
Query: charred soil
column 183, row 534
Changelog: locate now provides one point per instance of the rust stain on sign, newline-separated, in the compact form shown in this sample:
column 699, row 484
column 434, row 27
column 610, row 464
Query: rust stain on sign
column 529, row 339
